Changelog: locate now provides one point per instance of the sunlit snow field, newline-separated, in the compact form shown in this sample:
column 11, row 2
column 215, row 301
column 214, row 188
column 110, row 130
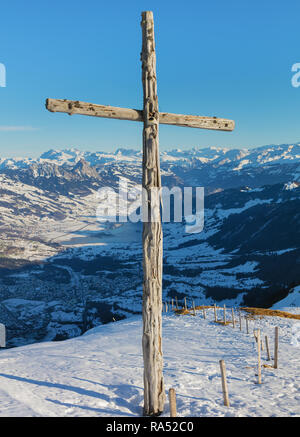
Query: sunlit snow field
column 101, row 372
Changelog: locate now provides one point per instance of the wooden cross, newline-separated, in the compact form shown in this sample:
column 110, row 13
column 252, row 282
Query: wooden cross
column 154, row 392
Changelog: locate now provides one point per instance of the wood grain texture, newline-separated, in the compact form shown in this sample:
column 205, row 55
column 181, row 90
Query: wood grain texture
column 276, row 343
column 224, row 383
column 91, row 109
column 267, row 348
column 172, row 402
column 258, row 357
column 154, row 392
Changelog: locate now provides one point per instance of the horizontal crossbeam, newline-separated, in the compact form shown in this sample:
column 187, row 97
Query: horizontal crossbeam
column 75, row 107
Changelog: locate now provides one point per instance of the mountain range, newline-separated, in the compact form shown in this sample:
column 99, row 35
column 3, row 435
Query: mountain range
column 63, row 272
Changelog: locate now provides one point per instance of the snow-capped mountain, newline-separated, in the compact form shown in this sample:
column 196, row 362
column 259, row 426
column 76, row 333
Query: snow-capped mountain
column 63, row 272
column 239, row 158
column 214, row 168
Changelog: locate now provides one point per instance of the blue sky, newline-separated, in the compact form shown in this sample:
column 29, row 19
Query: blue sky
column 231, row 59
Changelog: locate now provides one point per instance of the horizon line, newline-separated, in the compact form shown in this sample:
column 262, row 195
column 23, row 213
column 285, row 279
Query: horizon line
column 113, row 152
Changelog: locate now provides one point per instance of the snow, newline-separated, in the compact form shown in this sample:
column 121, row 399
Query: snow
column 225, row 213
column 241, row 164
column 292, row 300
column 291, row 185
column 101, row 372
column 239, row 158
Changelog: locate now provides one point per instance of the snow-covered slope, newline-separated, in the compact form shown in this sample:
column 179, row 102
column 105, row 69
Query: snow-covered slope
column 292, row 300
column 101, row 372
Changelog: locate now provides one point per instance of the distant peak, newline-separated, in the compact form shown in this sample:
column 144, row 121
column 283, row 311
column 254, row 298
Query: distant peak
column 126, row 152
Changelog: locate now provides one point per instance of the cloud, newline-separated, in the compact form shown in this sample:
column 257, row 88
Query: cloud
column 16, row 128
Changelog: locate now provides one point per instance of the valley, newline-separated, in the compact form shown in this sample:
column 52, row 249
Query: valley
column 62, row 271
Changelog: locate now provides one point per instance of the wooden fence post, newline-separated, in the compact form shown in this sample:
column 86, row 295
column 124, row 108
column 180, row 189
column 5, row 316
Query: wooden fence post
column 267, row 348
column 172, row 401
column 276, row 348
column 224, row 314
column 258, row 356
column 204, row 314
column 215, row 311
column 247, row 325
column 255, row 334
column 224, row 383
column 194, row 308
column 185, row 307
column 233, row 321
column 240, row 317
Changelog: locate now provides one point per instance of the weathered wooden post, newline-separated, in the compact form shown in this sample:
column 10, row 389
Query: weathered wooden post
column 276, row 348
column 204, row 314
column 154, row 393
column 224, row 383
column 255, row 334
column 224, row 314
column 215, row 312
column 258, row 356
column 267, row 348
column 185, row 306
column 233, row 320
column 240, row 317
column 172, row 401
column 2, row 335
column 247, row 325
column 194, row 308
